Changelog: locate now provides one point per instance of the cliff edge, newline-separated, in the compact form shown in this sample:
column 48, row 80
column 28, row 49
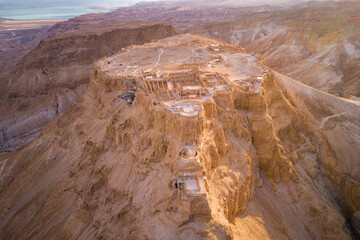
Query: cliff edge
column 187, row 137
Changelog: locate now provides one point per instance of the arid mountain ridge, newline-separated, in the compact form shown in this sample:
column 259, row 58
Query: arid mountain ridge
column 317, row 44
column 265, row 29
column 52, row 77
column 280, row 162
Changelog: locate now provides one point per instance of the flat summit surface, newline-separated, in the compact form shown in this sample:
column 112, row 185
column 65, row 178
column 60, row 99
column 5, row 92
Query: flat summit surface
column 169, row 55
column 185, row 68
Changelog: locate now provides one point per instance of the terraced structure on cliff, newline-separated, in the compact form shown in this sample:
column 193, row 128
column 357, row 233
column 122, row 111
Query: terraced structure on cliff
column 180, row 77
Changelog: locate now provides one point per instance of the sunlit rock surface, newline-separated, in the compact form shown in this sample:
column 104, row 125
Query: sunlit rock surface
column 199, row 141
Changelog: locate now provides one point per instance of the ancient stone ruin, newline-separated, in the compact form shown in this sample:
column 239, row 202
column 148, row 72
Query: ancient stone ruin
column 181, row 86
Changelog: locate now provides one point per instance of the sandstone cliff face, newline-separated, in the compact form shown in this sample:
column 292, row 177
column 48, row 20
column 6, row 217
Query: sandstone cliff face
column 106, row 169
column 14, row 45
column 53, row 76
column 335, row 126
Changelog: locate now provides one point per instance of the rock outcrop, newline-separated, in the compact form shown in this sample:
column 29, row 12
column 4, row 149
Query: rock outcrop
column 14, row 45
column 334, row 124
column 315, row 43
column 267, row 163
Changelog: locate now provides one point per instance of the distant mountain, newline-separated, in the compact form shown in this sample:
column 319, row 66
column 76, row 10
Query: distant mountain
column 7, row 4
column 315, row 43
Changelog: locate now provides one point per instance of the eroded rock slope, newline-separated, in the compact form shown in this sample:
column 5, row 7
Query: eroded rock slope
column 316, row 43
column 52, row 77
column 148, row 154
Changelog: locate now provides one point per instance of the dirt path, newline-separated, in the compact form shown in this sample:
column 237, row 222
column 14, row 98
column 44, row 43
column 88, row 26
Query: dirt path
column 161, row 52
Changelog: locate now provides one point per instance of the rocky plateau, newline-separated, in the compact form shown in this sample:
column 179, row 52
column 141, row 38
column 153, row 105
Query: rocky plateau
column 273, row 160
column 316, row 43
column 183, row 120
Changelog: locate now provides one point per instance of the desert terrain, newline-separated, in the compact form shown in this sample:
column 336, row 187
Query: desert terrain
column 13, row 25
column 182, row 120
column 316, row 43
column 171, row 141
column 316, row 52
column 18, row 37
column 52, row 77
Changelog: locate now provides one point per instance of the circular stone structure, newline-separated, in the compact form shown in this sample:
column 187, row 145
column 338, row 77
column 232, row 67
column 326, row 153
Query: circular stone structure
column 186, row 109
column 188, row 152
